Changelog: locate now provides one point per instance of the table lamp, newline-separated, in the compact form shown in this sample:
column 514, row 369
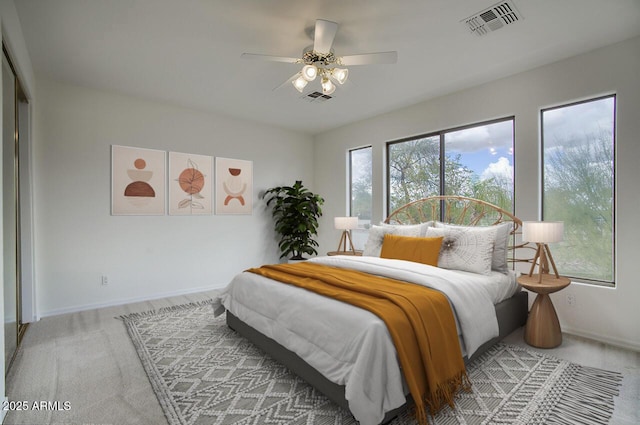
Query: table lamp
column 543, row 233
column 345, row 224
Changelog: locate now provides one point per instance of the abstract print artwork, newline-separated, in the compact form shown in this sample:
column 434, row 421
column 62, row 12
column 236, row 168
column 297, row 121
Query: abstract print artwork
column 234, row 186
column 190, row 188
column 137, row 181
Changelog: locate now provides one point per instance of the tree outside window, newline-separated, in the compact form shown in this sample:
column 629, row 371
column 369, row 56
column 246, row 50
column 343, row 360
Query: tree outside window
column 578, row 172
column 474, row 161
column 360, row 176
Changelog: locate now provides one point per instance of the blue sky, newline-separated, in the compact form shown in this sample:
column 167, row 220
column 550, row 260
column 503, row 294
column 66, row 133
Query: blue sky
column 488, row 149
column 484, row 149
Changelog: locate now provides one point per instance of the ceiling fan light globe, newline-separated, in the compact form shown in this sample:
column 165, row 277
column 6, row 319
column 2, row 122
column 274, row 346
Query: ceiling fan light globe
column 329, row 91
column 309, row 72
column 299, row 83
column 327, row 86
column 340, row 74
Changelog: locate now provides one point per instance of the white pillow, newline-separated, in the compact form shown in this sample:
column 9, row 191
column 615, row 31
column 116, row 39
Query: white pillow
column 501, row 247
column 422, row 227
column 465, row 248
column 373, row 246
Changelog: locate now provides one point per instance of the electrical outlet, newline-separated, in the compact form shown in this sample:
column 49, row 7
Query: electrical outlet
column 105, row 279
column 571, row 299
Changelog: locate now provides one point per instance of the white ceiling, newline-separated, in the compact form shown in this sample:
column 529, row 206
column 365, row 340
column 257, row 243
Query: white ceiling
column 187, row 52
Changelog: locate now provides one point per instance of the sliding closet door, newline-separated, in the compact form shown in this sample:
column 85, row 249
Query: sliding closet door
column 9, row 212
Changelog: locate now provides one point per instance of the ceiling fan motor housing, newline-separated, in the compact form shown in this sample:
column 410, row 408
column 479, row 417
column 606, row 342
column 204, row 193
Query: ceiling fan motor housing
column 311, row 57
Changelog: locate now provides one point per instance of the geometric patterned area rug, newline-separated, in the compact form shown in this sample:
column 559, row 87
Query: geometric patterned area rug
column 202, row 372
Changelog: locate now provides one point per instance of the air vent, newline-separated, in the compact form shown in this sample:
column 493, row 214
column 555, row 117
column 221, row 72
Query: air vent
column 493, row 18
column 316, row 96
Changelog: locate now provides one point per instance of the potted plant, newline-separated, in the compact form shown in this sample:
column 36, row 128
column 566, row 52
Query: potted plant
column 295, row 211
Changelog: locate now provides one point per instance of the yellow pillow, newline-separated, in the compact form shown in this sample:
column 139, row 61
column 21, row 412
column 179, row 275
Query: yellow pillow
column 418, row 250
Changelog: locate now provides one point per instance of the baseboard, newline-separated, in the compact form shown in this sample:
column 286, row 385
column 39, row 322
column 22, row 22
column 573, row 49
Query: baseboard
column 616, row 342
column 122, row 301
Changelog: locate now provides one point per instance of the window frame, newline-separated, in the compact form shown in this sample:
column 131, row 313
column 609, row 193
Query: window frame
column 442, row 155
column 595, row 282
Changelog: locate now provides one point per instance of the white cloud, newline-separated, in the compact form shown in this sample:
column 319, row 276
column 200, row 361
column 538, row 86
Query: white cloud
column 500, row 169
column 497, row 135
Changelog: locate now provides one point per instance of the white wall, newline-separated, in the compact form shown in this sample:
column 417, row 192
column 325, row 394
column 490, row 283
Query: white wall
column 610, row 315
column 78, row 240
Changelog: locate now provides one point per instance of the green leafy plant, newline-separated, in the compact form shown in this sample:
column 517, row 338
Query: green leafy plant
column 296, row 211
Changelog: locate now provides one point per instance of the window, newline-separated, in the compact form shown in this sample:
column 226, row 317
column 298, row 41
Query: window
column 361, row 204
column 474, row 161
column 413, row 170
column 578, row 186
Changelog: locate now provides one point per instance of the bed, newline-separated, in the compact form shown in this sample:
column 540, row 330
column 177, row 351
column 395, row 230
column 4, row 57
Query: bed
column 335, row 347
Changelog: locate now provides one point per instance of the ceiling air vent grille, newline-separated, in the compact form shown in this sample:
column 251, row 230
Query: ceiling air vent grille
column 493, row 18
column 316, row 97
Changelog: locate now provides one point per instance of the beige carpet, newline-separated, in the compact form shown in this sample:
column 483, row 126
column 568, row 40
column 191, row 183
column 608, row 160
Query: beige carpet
column 87, row 358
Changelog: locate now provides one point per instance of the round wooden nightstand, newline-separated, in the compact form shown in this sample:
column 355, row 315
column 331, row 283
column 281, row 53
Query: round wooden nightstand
column 357, row 253
column 543, row 327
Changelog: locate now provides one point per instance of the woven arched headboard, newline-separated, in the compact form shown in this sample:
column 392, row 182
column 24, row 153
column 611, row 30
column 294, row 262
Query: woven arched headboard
column 459, row 210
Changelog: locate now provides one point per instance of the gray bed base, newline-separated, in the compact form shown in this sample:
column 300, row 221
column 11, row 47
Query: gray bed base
column 512, row 314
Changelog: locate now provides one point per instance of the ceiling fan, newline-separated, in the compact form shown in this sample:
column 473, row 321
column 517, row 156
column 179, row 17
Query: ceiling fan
column 319, row 60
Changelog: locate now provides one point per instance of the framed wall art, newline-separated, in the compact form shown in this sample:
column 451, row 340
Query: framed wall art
column 137, row 181
column 190, row 184
column 234, row 186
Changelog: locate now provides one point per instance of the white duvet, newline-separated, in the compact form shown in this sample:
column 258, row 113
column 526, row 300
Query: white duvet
column 351, row 346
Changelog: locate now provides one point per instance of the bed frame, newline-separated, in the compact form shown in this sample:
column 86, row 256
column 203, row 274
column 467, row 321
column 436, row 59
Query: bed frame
column 465, row 211
column 511, row 313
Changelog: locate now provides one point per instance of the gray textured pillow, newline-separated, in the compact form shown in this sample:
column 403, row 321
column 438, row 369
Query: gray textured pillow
column 465, row 248
column 422, row 227
column 373, row 246
column 501, row 247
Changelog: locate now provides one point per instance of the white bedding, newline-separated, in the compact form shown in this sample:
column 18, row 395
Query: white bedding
column 314, row 327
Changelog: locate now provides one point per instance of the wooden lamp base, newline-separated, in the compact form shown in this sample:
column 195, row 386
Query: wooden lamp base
column 342, row 245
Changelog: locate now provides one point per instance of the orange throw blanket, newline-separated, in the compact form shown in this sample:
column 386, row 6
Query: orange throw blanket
column 419, row 320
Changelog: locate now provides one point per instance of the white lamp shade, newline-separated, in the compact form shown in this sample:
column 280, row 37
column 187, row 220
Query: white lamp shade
column 299, row 83
column 327, row 86
column 345, row 223
column 309, row 72
column 542, row 231
column 340, row 74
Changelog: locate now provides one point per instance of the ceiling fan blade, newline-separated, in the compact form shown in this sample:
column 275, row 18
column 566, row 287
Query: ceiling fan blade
column 269, row 58
column 287, row 82
column 323, row 35
column 369, row 58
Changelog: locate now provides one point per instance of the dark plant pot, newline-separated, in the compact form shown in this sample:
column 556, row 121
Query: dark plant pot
column 296, row 260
